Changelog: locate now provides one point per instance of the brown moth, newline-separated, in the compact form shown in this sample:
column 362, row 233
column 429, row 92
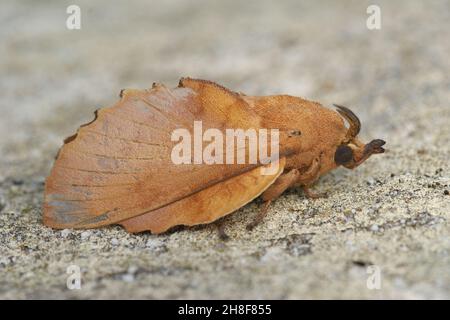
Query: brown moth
column 118, row 168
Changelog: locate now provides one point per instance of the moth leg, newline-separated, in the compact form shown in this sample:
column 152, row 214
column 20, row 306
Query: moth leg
column 221, row 231
column 308, row 178
column 285, row 181
column 312, row 195
column 262, row 213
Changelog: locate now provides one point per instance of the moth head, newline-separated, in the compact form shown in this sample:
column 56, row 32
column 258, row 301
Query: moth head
column 352, row 152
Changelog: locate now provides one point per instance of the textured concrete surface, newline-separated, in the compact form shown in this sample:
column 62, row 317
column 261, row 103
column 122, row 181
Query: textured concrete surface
column 392, row 212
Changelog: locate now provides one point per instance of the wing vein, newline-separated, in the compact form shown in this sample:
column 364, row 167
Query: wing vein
column 124, row 139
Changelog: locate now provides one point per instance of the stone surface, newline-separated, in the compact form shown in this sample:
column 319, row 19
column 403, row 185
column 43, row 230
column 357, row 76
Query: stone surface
column 392, row 212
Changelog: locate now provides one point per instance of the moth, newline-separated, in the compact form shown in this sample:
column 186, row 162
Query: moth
column 119, row 168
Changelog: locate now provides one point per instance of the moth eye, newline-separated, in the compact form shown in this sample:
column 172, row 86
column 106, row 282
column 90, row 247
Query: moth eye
column 343, row 154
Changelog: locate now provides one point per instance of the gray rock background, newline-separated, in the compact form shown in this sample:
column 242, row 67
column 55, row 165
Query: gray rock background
column 392, row 212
